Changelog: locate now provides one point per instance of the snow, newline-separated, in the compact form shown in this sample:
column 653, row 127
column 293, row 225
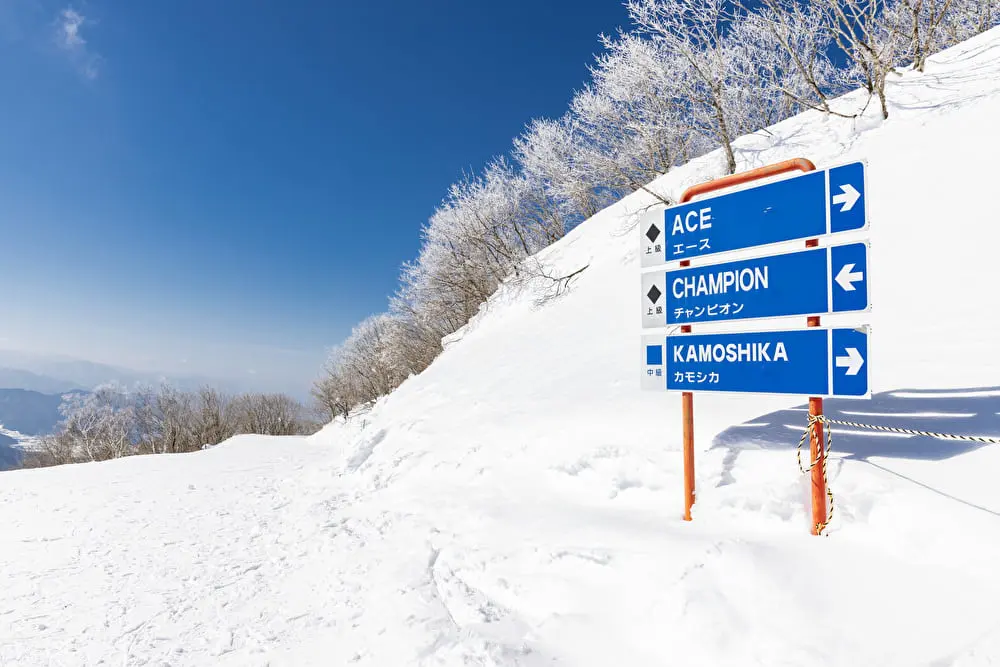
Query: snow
column 22, row 441
column 519, row 502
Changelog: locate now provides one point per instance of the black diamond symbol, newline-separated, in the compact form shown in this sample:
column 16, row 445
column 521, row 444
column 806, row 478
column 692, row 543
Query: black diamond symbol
column 654, row 294
column 653, row 233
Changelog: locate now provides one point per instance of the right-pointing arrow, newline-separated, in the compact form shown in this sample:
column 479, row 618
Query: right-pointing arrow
column 847, row 276
column 852, row 362
column 848, row 197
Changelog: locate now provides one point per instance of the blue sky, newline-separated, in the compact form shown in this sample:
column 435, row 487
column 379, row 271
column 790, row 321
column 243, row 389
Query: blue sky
column 226, row 187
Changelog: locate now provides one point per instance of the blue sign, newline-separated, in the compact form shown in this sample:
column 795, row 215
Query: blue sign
column 807, row 282
column 807, row 362
column 815, row 204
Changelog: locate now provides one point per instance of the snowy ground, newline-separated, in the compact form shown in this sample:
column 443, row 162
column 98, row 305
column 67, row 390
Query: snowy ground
column 519, row 502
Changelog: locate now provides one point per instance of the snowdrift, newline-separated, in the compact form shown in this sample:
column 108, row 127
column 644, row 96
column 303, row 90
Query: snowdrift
column 519, row 503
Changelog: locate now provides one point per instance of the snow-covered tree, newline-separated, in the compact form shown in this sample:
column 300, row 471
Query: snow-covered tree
column 872, row 42
column 212, row 420
column 928, row 26
column 720, row 84
column 268, row 414
column 918, row 27
column 99, row 425
column 429, row 305
column 791, row 44
column 476, row 239
column 331, row 390
column 633, row 116
column 114, row 421
column 967, row 18
column 367, row 365
column 164, row 420
column 550, row 153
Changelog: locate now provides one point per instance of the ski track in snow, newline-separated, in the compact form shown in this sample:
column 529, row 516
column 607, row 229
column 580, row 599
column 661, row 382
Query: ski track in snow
column 518, row 503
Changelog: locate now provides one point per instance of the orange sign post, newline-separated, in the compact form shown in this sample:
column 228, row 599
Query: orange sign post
column 815, row 404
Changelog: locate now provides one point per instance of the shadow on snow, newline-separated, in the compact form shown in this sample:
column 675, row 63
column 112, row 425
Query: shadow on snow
column 957, row 411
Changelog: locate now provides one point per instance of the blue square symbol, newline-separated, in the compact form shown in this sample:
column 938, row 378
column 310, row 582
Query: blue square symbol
column 654, row 355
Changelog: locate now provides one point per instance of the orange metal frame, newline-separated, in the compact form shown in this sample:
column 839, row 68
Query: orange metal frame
column 816, row 445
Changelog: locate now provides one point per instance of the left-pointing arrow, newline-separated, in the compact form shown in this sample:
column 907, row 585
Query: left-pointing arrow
column 852, row 362
column 847, row 276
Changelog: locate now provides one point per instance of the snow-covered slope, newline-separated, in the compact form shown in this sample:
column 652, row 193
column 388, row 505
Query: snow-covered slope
column 519, row 502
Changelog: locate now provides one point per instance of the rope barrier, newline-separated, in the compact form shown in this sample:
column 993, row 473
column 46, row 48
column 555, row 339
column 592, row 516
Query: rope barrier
column 826, row 425
column 909, row 431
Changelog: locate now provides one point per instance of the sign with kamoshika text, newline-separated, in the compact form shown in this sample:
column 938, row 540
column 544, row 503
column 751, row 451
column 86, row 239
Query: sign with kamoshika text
column 807, row 362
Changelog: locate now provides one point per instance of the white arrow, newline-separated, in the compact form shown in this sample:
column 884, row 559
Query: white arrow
column 847, row 276
column 848, row 197
column 852, row 362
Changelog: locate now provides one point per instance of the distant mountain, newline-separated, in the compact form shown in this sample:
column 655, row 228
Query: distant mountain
column 22, row 379
column 29, row 412
column 56, row 374
column 69, row 373
column 53, row 374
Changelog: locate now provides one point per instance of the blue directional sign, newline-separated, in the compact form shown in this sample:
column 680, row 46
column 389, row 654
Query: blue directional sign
column 807, row 362
column 807, row 282
column 815, row 204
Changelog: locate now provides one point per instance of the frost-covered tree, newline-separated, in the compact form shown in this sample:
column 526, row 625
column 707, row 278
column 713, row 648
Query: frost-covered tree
column 925, row 27
column 494, row 220
column 633, row 116
column 720, row 84
column 967, row 18
column 113, row 421
column 550, row 154
column 918, row 25
column 331, row 390
column 370, row 356
column 791, row 45
column 367, row 365
column 212, row 420
column 52, row 450
column 170, row 421
column 863, row 31
column 268, row 414
column 476, row 239
column 429, row 306
column 99, row 425
column 164, row 420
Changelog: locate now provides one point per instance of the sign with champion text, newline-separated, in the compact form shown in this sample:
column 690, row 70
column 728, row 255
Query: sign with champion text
column 807, row 362
column 808, row 282
column 814, row 204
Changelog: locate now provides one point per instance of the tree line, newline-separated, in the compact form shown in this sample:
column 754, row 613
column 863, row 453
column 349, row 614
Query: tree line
column 114, row 421
column 687, row 77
